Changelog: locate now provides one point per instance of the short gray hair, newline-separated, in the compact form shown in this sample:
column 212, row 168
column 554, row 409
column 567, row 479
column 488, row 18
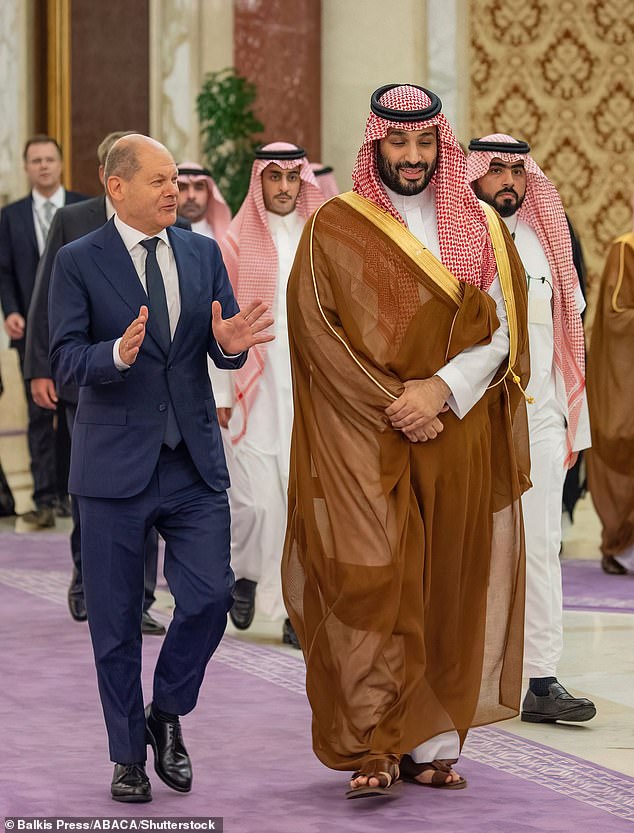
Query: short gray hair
column 122, row 160
column 104, row 148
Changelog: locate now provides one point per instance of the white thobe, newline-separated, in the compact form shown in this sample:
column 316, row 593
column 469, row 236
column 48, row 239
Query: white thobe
column 468, row 374
column 259, row 462
column 541, row 505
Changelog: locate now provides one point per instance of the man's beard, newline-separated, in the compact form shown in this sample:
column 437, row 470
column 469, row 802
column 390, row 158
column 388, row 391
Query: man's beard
column 390, row 175
column 506, row 201
column 191, row 211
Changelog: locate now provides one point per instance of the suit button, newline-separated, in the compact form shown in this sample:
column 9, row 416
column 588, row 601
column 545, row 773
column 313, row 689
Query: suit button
column 162, row 406
column 170, row 366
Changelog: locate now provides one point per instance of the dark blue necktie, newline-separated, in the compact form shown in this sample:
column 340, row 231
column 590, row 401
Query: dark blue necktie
column 158, row 311
column 156, row 293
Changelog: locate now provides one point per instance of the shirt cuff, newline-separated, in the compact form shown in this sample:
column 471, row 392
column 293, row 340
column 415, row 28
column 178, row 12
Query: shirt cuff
column 118, row 363
column 461, row 391
column 227, row 355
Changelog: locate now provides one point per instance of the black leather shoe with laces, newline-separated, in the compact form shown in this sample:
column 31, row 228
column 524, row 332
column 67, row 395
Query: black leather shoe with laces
column 171, row 761
column 130, row 783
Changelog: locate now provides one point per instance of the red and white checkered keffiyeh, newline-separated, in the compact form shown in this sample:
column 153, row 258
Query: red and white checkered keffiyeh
column 465, row 245
column 326, row 182
column 218, row 213
column 250, row 256
column 543, row 211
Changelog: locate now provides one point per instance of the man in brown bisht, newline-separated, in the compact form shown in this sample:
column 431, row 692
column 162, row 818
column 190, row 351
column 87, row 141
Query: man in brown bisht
column 611, row 401
column 403, row 568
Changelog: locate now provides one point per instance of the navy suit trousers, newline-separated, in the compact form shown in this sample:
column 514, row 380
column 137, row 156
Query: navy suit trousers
column 195, row 523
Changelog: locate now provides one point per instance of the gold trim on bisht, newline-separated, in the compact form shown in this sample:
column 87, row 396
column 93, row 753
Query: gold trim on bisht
column 407, row 242
column 506, row 283
column 623, row 241
column 323, row 314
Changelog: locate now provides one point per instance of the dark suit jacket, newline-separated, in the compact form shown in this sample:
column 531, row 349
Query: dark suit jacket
column 69, row 223
column 95, row 294
column 19, row 254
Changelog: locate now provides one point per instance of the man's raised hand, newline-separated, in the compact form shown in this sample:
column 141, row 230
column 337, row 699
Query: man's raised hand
column 132, row 339
column 244, row 330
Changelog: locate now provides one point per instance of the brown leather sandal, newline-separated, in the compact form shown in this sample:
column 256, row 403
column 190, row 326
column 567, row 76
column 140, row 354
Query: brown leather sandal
column 441, row 769
column 386, row 771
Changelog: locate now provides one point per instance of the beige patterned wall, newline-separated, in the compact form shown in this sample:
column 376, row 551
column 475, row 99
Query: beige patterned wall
column 560, row 74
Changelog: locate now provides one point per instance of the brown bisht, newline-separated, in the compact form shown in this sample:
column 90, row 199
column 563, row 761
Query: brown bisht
column 403, row 568
column 610, row 461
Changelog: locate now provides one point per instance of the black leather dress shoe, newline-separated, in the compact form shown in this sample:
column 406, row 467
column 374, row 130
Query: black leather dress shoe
column 289, row 637
column 76, row 601
column 150, row 626
column 558, row 704
column 611, row 566
column 130, row 783
column 171, row 761
column 42, row 518
column 243, row 609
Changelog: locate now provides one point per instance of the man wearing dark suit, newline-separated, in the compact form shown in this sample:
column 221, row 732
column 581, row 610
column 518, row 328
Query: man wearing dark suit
column 70, row 223
column 24, row 226
column 146, row 446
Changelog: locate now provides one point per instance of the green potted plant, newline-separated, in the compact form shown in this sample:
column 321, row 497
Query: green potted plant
column 228, row 128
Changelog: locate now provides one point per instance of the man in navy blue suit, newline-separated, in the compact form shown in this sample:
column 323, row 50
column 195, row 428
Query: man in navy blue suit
column 24, row 226
column 134, row 310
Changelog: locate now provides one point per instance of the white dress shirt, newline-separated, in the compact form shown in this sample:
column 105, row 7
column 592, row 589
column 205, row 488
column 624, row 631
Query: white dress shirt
column 203, row 227
column 39, row 215
column 469, row 373
column 165, row 256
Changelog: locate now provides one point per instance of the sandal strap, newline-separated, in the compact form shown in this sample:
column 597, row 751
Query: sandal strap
column 382, row 768
column 441, row 768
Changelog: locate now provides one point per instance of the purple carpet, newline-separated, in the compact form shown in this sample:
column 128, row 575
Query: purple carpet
column 587, row 587
column 249, row 739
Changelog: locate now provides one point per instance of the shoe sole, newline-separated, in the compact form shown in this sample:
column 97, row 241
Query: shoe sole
column 164, row 778
column 578, row 715
column 241, row 625
column 132, row 799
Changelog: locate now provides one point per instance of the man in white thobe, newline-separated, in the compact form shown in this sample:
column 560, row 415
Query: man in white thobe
column 258, row 250
column 502, row 173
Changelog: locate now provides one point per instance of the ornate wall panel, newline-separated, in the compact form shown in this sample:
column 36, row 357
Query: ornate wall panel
column 15, row 91
column 560, row 74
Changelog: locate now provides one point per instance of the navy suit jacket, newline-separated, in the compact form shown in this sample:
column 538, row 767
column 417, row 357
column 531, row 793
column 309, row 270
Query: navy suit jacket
column 95, row 294
column 69, row 223
column 19, row 254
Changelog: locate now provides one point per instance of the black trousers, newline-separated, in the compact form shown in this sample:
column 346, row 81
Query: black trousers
column 42, row 445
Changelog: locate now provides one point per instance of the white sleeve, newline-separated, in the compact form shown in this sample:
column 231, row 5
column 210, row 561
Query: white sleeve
column 116, row 358
column 469, row 373
column 221, row 384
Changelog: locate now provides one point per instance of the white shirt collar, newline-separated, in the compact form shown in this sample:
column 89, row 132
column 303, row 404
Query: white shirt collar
column 57, row 198
column 110, row 212
column 132, row 237
column 425, row 201
column 277, row 222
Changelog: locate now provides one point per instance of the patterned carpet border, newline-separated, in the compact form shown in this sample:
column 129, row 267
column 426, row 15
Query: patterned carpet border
column 573, row 777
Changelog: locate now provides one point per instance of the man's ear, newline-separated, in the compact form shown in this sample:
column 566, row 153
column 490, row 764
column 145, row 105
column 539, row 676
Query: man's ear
column 114, row 188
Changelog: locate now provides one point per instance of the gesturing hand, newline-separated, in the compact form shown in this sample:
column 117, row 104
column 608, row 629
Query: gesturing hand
column 421, row 401
column 132, row 339
column 244, row 330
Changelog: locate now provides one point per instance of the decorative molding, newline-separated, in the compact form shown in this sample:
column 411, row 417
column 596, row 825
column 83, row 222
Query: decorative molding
column 59, row 77
column 14, row 97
